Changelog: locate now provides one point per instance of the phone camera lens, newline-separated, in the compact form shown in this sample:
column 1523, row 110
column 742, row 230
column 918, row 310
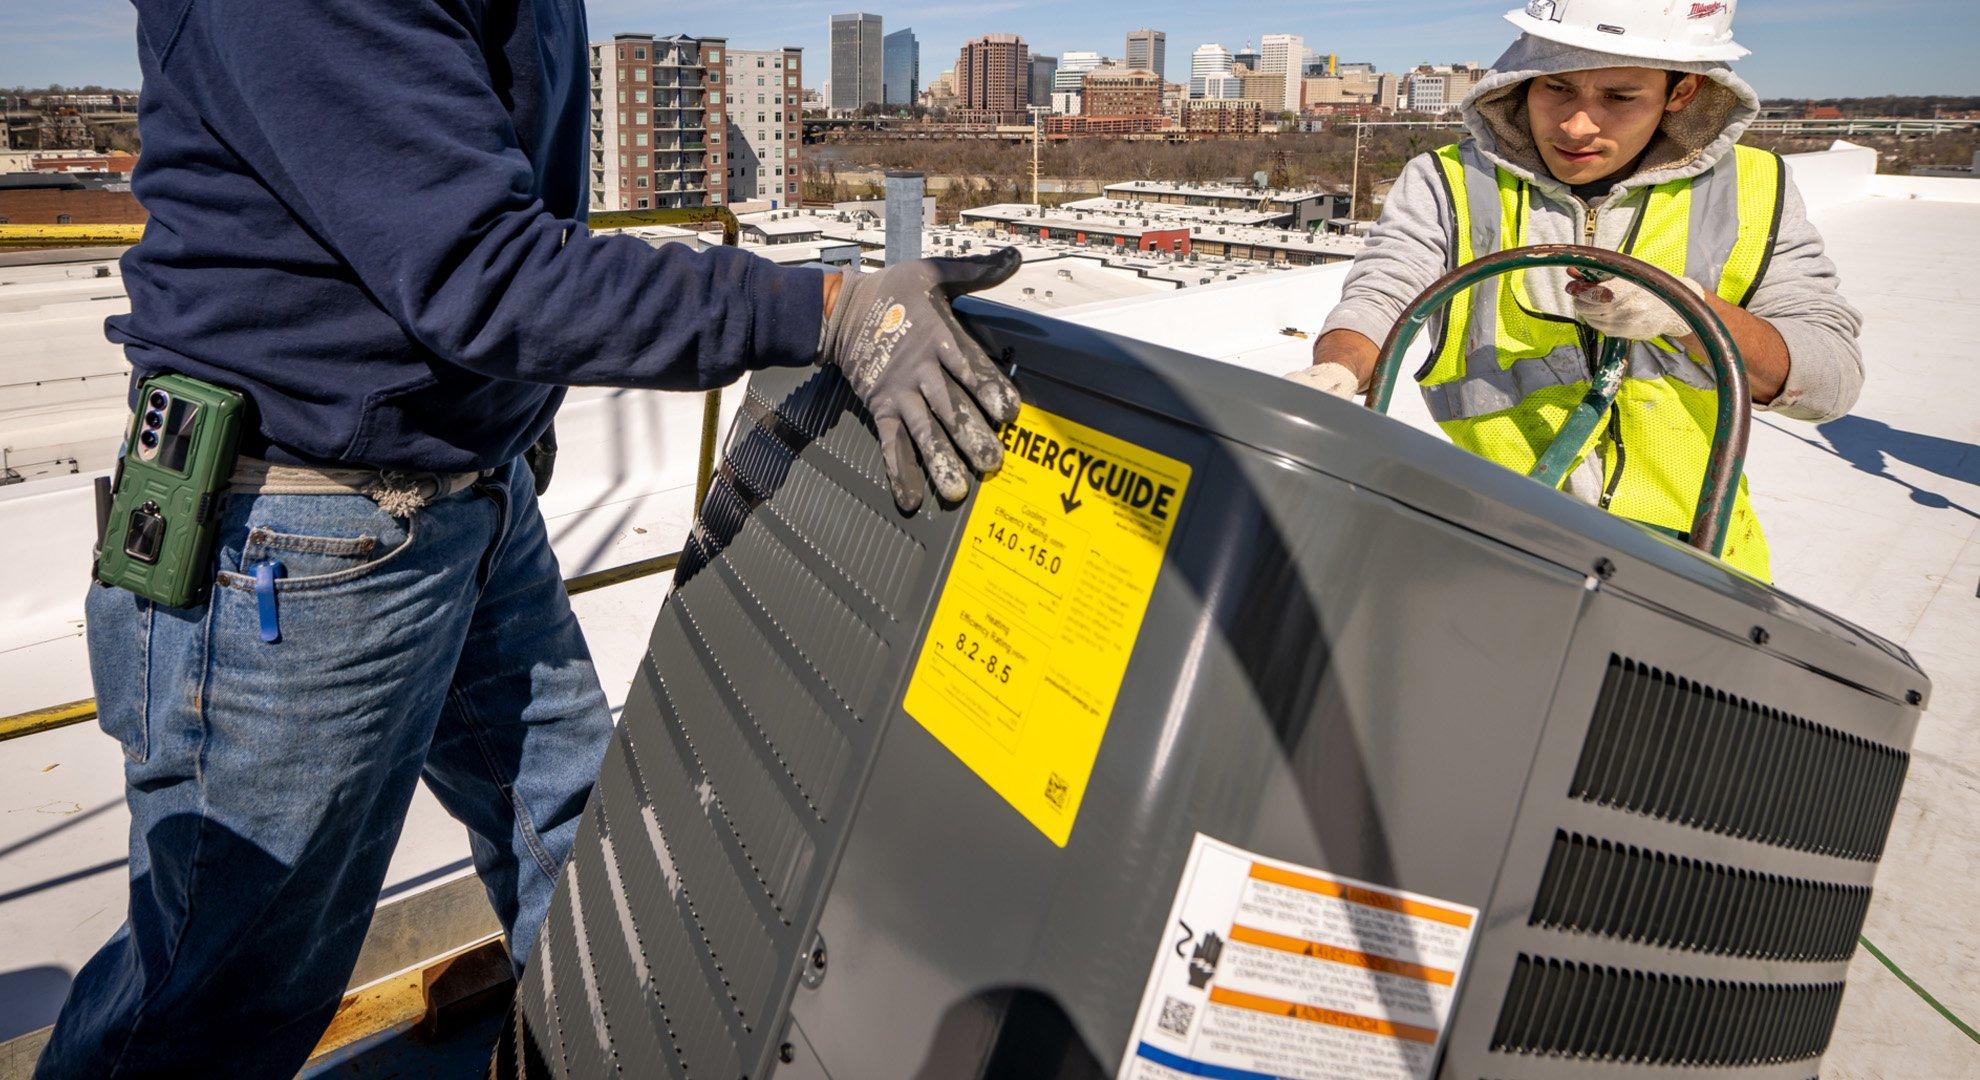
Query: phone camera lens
column 158, row 399
column 148, row 439
column 153, row 418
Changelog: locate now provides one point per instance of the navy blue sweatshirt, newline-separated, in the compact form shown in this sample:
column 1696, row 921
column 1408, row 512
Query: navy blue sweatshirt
column 368, row 215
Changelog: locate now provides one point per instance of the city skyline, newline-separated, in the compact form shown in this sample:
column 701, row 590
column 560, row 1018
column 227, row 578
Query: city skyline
column 1816, row 48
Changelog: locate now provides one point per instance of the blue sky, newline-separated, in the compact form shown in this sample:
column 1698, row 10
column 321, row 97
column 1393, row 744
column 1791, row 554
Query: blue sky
column 1811, row 48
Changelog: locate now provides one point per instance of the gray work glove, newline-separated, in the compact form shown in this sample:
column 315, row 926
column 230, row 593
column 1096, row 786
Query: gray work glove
column 928, row 384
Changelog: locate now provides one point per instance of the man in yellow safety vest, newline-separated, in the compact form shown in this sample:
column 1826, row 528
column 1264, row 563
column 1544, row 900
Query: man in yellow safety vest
column 1611, row 123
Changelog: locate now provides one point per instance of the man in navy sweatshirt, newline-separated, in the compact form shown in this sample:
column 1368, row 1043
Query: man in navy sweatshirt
column 368, row 217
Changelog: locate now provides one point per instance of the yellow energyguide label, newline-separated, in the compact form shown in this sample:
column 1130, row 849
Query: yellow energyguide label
column 1044, row 600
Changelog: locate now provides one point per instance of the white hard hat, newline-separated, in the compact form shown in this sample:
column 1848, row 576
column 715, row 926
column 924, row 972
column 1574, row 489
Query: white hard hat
column 1685, row 31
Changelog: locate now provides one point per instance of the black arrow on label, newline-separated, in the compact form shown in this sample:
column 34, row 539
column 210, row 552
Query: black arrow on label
column 1069, row 502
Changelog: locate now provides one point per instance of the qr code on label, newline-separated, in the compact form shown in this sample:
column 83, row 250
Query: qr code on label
column 1176, row 1017
column 1055, row 791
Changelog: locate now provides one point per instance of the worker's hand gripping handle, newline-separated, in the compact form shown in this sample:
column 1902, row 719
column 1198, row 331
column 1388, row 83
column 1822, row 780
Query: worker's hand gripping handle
column 1735, row 404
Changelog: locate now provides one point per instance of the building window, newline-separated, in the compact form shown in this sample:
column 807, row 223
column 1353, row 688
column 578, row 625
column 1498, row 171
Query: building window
column 714, row 97
column 640, row 182
column 639, row 117
column 759, row 61
column 622, row 160
column 639, row 75
column 759, row 80
column 640, row 160
column 639, row 52
column 715, row 56
column 622, row 53
column 639, row 96
column 714, row 196
column 790, row 80
column 622, row 97
column 622, row 138
column 644, row 204
column 714, row 159
column 639, row 139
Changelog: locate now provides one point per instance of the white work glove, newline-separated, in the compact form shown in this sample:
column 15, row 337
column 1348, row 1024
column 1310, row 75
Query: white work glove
column 1624, row 309
column 931, row 389
column 1328, row 377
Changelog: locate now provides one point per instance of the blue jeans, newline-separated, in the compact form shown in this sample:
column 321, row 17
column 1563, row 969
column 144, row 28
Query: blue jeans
column 268, row 782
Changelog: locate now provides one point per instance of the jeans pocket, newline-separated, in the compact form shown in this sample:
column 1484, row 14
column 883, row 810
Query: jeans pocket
column 319, row 553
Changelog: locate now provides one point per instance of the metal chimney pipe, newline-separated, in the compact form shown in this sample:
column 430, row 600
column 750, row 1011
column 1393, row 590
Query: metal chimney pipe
column 904, row 195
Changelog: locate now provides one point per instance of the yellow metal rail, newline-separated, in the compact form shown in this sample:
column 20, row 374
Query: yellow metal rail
column 22, row 237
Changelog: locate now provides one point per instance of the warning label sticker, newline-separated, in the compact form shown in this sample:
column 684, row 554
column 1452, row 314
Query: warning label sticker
column 1270, row 970
column 1033, row 630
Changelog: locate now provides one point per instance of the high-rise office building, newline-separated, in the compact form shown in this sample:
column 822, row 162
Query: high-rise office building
column 901, row 68
column 857, row 78
column 1069, row 82
column 993, row 79
column 1206, row 61
column 1043, row 70
column 1283, row 55
column 683, row 121
column 1246, row 56
column 1148, row 50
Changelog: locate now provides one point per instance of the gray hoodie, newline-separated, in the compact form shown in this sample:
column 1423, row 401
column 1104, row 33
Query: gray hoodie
column 1409, row 246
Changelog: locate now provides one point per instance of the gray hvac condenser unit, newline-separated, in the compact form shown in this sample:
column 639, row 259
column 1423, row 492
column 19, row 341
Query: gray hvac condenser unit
column 1231, row 731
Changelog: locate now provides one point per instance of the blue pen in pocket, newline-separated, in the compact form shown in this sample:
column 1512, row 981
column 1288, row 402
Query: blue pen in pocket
column 264, row 594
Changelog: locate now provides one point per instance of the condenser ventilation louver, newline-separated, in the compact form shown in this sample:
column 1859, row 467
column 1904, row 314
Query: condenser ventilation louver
column 1618, row 890
column 1595, row 1013
column 1668, row 747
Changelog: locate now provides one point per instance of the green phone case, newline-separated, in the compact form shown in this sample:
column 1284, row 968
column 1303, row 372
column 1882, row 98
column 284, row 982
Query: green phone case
column 165, row 510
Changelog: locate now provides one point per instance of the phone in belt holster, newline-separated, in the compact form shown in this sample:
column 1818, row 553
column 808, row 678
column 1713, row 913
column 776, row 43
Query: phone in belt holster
column 164, row 515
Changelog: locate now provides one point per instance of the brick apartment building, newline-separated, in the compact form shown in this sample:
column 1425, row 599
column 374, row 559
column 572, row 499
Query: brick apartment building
column 1210, row 116
column 50, row 198
column 683, row 121
column 993, row 80
column 1104, row 126
column 1121, row 91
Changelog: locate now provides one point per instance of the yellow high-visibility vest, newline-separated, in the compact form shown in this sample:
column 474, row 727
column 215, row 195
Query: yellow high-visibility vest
column 1503, row 376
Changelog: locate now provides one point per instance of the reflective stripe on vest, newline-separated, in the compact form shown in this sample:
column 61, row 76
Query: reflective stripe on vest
column 1503, row 376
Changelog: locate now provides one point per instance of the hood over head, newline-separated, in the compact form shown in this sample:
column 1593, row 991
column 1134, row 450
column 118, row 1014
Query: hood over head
column 1688, row 142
